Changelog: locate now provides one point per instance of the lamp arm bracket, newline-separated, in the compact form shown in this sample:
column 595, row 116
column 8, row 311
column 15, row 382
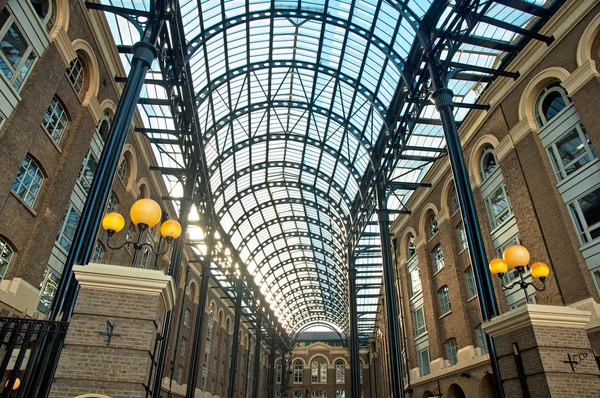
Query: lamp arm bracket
column 117, row 247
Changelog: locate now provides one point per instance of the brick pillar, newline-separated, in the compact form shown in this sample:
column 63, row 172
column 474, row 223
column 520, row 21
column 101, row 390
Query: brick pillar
column 134, row 300
column 545, row 335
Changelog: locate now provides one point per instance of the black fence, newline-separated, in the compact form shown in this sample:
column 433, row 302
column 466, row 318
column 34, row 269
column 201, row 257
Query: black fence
column 29, row 355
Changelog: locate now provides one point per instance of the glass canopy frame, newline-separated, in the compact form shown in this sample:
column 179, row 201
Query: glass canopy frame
column 304, row 106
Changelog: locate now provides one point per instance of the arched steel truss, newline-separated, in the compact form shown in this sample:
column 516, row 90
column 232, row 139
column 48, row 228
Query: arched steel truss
column 217, row 118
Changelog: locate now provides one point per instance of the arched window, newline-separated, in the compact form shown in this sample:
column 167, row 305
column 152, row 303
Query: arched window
column 103, row 127
column 76, row 75
column 411, row 249
column 551, row 100
column 212, row 310
column 6, row 254
column 433, row 225
column 179, row 374
column 29, row 181
column 278, row 372
column 454, row 203
column 438, row 258
column 487, row 162
column 147, row 252
column 444, row 297
column 318, row 371
column 481, row 340
column 183, row 347
column 452, row 351
column 123, row 170
column 360, row 372
column 111, row 203
column 98, row 254
column 186, row 317
column 16, row 53
column 45, row 12
column 298, row 371
column 340, row 371
column 55, row 120
column 319, row 394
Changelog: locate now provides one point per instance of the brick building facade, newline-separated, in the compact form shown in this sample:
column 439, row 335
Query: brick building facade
column 535, row 178
column 55, row 109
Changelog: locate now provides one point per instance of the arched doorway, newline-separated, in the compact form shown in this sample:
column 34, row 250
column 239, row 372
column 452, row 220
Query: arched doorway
column 454, row 391
column 486, row 387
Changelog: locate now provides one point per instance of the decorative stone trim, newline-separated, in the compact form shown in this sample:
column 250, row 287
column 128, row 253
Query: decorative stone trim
column 64, row 46
column 420, row 240
column 521, row 129
column 581, row 76
column 504, row 147
column 132, row 280
column 536, row 315
column 594, row 308
column 443, row 215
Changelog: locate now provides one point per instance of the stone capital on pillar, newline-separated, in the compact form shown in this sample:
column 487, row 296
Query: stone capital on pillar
column 546, row 337
column 98, row 358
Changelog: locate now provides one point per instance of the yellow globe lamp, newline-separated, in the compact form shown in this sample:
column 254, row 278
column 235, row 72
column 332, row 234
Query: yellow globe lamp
column 540, row 270
column 498, row 266
column 145, row 211
column 15, row 385
column 170, row 229
column 516, row 256
column 113, row 222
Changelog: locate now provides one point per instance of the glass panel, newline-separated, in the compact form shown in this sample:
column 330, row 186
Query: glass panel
column 6, row 253
column 552, row 104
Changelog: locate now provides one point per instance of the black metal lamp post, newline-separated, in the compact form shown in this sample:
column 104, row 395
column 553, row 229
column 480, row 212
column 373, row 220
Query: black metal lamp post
column 145, row 213
column 517, row 257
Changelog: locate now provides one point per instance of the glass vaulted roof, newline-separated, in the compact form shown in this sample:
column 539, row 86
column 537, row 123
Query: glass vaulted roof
column 293, row 98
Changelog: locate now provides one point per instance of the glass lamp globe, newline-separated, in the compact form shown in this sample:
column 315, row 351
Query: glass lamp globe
column 113, row 222
column 516, row 256
column 540, row 270
column 170, row 229
column 145, row 211
column 498, row 266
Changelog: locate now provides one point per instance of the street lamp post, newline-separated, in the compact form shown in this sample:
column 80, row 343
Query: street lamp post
column 517, row 257
column 145, row 213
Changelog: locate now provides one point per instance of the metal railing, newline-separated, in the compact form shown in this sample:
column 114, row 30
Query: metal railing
column 29, row 352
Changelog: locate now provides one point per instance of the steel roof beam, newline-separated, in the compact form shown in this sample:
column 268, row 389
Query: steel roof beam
column 527, row 7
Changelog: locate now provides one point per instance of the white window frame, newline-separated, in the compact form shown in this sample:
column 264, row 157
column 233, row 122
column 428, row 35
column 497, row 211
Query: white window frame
column 63, row 235
column 438, row 258
column 579, row 221
column 452, row 351
column 55, row 120
column 419, row 330
column 340, row 371
column 471, row 284
column 6, row 255
column 424, row 360
column 27, row 165
column 76, row 74
column 481, row 340
column 298, row 372
column 444, row 300
column 16, row 77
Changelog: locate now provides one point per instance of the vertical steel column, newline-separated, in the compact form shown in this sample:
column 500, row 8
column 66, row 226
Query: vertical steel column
column 383, row 217
column 176, row 260
column 257, row 349
column 354, row 352
column 174, row 357
column 442, row 97
column 93, row 209
column 236, row 338
column 203, row 294
column 271, row 377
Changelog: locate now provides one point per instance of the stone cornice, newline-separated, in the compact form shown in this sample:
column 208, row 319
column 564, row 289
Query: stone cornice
column 536, row 315
column 127, row 279
column 504, row 147
column 580, row 77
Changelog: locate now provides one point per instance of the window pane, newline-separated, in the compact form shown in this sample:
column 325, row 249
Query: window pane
column 552, row 104
column 590, row 208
